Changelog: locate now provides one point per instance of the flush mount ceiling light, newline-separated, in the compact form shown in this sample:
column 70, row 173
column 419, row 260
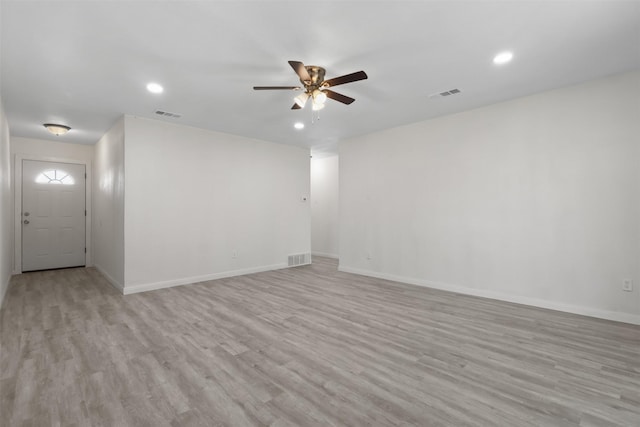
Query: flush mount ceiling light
column 57, row 130
column 155, row 88
column 299, row 125
column 503, row 58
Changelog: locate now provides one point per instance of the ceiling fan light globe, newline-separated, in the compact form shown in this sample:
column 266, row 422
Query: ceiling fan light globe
column 319, row 97
column 301, row 99
column 317, row 106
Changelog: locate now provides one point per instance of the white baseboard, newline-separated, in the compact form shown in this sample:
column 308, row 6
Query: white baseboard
column 323, row 254
column 110, row 279
column 567, row 308
column 144, row 287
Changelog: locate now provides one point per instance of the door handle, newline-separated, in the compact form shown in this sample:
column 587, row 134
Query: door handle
column 26, row 221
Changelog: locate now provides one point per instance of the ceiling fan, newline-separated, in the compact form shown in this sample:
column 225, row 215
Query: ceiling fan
column 315, row 86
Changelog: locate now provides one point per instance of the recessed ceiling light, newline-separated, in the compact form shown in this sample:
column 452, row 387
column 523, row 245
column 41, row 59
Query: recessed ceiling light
column 299, row 125
column 503, row 58
column 154, row 88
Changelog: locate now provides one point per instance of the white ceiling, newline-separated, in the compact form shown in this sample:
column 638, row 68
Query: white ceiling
column 85, row 63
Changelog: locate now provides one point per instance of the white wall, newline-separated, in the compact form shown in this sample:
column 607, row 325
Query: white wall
column 194, row 197
column 38, row 149
column 536, row 200
column 324, row 206
column 108, row 205
column 46, row 149
column 6, row 204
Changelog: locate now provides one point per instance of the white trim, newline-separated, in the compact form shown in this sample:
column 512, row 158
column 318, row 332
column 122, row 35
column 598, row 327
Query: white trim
column 110, row 279
column 567, row 308
column 144, row 287
column 17, row 204
column 322, row 254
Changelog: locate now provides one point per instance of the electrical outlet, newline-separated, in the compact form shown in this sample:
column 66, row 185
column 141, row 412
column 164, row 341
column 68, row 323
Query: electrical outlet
column 627, row 285
column 368, row 255
column 234, row 254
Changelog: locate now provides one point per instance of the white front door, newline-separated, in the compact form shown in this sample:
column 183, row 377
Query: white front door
column 53, row 215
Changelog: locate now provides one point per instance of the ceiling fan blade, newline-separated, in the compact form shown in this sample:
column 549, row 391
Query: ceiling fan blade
column 300, row 70
column 277, row 88
column 347, row 78
column 338, row 97
column 296, row 107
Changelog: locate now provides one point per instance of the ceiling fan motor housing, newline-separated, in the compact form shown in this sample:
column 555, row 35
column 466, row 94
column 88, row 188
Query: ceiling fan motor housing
column 317, row 77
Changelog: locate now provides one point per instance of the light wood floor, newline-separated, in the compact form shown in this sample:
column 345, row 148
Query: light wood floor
column 304, row 346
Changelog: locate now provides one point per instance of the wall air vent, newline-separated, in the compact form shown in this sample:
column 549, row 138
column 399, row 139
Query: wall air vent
column 168, row 114
column 299, row 259
column 445, row 93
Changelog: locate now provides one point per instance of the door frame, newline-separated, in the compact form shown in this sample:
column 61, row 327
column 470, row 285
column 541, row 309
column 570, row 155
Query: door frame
column 17, row 204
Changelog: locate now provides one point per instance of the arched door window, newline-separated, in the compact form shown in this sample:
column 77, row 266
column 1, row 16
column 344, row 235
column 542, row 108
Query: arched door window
column 55, row 176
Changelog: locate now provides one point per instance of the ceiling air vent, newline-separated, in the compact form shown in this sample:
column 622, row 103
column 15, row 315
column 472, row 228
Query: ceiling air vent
column 445, row 93
column 168, row 114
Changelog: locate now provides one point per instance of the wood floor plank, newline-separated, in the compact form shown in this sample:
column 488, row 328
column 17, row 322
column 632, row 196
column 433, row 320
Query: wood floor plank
column 304, row 346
